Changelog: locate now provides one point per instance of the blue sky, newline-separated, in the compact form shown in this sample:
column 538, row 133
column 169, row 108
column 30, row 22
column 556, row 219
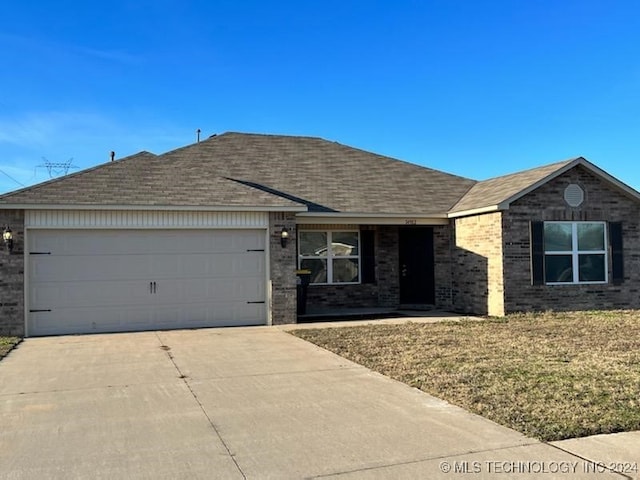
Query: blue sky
column 475, row 88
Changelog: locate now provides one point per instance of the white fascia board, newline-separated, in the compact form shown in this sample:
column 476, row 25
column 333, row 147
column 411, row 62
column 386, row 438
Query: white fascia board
column 190, row 208
column 578, row 161
column 626, row 189
column 321, row 218
column 597, row 171
column 478, row 211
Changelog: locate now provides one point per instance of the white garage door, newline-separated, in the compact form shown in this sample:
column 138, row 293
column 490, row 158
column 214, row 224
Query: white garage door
column 85, row 281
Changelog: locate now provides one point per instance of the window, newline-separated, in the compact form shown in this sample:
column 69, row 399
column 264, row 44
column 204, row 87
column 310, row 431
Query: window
column 332, row 256
column 575, row 252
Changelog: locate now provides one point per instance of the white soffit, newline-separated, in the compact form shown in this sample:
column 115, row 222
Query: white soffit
column 367, row 219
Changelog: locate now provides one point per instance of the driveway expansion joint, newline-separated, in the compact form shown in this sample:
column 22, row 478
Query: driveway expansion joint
column 195, row 397
column 585, row 459
column 270, row 374
column 426, row 459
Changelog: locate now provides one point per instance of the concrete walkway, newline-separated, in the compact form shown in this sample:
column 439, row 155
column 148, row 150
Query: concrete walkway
column 248, row 403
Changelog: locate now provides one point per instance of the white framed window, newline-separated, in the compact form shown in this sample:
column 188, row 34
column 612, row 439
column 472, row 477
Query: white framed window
column 332, row 256
column 575, row 252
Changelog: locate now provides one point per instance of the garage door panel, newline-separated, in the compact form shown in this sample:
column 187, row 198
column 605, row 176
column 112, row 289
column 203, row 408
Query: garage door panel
column 44, row 296
column 85, row 320
column 254, row 288
column 44, row 244
column 234, row 289
column 51, row 268
column 217, row 241
column 101, row 281
column 201, row 290
column 248, row 265
column 169, row 315
column 207, row 265
column 195, row 265
column 225, row 242
column 90, row 294
column 233, row 314
column 186, row 291
column 87, row 242
column 247, row 241
column 108, row 294
column 221, row 265
column 165, row 266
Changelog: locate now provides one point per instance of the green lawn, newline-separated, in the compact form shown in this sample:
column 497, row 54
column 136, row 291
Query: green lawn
column 551, row 376
column 7, row 344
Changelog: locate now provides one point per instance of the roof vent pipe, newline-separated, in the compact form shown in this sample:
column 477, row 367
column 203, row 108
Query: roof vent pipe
column 198, row 135
column 113, row 155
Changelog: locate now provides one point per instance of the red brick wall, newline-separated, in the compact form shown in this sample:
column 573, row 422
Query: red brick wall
column 12, row 276
column 477, row 274
column 602, row 203
column 386, row 291
column 383, row 293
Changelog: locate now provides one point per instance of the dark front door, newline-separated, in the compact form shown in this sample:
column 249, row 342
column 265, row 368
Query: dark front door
column 416, row 265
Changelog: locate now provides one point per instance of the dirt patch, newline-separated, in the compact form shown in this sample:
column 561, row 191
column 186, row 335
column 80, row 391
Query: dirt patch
column 7, row 344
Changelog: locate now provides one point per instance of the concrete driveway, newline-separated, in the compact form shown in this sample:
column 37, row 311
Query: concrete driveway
column 239, row 403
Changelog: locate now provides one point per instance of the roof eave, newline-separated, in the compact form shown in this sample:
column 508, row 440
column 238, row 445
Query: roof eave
column 201, row 208
column 363, row 218
column 624, row 188
column 477, row 211
column 506, row 203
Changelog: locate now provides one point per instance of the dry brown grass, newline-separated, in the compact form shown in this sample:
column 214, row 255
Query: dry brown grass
column 7, row 344
column 551, row 376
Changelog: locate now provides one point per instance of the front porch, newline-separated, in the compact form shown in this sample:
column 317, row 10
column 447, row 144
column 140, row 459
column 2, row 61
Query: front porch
column 400, row 268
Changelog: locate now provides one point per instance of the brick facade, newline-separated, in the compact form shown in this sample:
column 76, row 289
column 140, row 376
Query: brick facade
column 385, row 292
column 282, row 268
column 443, row 266
column 482, row 262
column 492, row 252
column 601, row 203
column 478, row 277
column 12, row 279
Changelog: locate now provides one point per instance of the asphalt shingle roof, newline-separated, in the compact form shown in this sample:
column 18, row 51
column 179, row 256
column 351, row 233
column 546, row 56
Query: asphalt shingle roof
column 277, row 171
column 235, row 169
column 496, row 190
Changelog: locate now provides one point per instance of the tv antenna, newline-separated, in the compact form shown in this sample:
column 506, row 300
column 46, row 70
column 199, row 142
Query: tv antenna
column 56, row 169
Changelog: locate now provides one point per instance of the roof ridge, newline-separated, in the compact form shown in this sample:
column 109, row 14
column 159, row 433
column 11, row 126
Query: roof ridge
column 509, row 187
column 216, row 136
column 254, row 134
column 532, row 169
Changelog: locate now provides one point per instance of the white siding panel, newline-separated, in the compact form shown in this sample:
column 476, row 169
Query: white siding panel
column 140, row 219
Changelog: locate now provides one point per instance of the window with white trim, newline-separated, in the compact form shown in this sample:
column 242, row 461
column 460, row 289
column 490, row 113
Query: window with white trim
column 331, row 256
column 575, row 252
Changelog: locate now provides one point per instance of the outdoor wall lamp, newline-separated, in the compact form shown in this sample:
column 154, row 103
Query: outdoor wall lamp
column 284, row 237
column 7, row 236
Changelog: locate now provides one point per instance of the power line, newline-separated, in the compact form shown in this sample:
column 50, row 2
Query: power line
column 10, row 177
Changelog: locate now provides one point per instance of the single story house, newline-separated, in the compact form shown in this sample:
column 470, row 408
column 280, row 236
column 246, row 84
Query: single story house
column 212, row 234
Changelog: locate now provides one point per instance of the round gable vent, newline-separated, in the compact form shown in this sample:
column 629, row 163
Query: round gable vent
column 574, row 195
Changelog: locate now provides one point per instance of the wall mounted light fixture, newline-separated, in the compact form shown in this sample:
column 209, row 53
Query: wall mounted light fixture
column 7, row 236
column 284, row 237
